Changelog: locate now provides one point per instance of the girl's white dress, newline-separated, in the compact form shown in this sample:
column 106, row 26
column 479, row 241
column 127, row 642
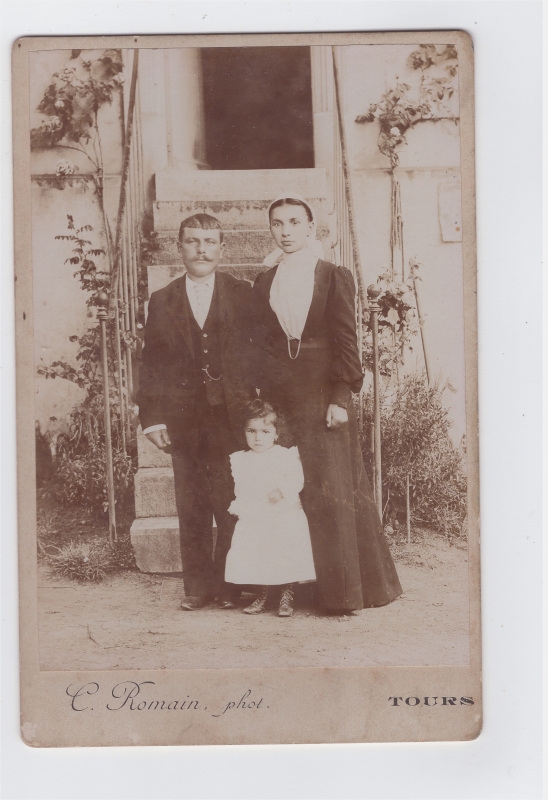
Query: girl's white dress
column 271, row 542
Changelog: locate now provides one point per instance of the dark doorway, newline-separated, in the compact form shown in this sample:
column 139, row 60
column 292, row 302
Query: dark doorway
column 258, row 107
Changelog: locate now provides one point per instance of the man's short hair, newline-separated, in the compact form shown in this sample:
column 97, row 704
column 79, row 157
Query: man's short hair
column 204, row 221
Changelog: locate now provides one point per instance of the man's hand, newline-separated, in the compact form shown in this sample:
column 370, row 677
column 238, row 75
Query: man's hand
column 275, row 496
column 336, row 416
column 159, row 438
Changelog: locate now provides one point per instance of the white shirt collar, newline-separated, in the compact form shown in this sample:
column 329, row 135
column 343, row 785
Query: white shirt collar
column 210, row 283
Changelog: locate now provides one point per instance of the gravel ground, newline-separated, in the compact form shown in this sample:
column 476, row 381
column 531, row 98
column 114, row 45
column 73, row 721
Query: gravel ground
column 133, row 621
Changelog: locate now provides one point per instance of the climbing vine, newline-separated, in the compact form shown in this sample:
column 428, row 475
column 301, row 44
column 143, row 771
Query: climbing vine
column 71, row 103
column 400, row 108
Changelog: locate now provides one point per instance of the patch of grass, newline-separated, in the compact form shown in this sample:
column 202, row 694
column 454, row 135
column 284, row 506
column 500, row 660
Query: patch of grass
column 86, row 562
column 65, row 534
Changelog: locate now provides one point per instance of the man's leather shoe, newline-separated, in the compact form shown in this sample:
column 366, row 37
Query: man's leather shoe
column 194, row 603
column 227, row 602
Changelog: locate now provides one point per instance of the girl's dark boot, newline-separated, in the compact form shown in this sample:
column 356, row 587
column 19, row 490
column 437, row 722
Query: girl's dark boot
column 258, row 605
column 286, row 601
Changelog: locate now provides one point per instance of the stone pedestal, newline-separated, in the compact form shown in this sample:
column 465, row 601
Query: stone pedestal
column 155, row 532
column 155, row 541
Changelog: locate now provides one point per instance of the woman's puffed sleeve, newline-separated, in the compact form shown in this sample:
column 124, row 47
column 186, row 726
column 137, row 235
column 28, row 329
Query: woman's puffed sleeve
column 346, row 370
column 291, row 481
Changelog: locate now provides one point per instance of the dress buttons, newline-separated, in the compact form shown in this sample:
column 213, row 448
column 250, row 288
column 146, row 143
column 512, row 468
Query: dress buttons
column 204, row 335
column 205, row 351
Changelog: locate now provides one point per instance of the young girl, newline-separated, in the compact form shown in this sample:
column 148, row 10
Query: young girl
column 271, row 542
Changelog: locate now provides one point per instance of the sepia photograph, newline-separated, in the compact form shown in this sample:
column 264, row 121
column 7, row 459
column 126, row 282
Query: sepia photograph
column 252, row 271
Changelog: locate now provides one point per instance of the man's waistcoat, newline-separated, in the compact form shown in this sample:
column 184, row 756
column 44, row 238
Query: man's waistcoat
column 208, row 379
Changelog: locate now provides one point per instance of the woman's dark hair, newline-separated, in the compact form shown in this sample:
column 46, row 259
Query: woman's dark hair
column 260, row 409
column 291, row 201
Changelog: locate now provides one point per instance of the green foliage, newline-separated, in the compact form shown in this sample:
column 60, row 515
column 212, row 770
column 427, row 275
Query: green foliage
column 415, row 440
column 399, row 109
column 80, row 470
column 87, row 562
column 80, row 467
column 91, row 279
column 88, row 374
column 72, row 100
column 398, row 323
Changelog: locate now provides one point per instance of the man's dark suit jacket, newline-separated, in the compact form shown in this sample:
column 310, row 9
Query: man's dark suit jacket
column 170, row 386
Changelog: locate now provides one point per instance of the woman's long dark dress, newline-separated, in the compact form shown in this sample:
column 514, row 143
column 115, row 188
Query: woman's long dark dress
column 353, row 563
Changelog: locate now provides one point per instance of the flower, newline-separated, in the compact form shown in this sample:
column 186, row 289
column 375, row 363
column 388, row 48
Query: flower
column 394, row 131
column 64, row 167
column 119, row 79
column 59, row 104
column 52, row 124
column 66, row 74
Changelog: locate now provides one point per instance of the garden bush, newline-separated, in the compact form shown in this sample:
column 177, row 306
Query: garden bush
column 79, row 477
column 416, row 440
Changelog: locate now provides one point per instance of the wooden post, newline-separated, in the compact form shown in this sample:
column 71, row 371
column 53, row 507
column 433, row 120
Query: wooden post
column 408, row 510
column 102, row 316
column 373, row 292
column 412, row 267
column 346, row 174
column 125, row 169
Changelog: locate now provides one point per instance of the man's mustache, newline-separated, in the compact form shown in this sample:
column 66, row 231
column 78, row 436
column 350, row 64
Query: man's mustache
column 201, row 258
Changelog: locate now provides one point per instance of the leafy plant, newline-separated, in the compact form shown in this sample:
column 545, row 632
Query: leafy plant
column 398, row 323
column 92, row 280
column 398, row 110
column 72, row 101
column 79, row 477
column 416, row 441
column 71, row 105
column 80, row 467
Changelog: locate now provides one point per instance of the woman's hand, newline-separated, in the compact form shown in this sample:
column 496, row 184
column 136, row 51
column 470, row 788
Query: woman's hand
column 336, row 416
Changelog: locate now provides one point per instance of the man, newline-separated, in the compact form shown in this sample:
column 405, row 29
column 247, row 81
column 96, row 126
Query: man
column 195, row 377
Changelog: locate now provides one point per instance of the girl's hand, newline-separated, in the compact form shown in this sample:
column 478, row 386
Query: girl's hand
column 275, row 496
column 336, row 416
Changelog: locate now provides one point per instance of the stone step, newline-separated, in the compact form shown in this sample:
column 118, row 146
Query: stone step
column 148, row 455
column 233, row 215
column 156, row 544
column 155, row 492
column 257, row 184
column 244, row 248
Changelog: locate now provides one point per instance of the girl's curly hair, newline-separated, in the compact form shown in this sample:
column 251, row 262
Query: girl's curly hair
column 260, row 409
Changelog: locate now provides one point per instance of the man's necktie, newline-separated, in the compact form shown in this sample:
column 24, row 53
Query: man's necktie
column 202, row 294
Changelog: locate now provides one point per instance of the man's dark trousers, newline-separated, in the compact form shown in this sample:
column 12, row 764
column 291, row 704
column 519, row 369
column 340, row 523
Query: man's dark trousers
column 203, row 483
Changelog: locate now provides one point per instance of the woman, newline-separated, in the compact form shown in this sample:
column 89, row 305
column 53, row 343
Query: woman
column 309, row 368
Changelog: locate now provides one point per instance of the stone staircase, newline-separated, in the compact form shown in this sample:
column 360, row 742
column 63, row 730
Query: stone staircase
column 240, row 201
